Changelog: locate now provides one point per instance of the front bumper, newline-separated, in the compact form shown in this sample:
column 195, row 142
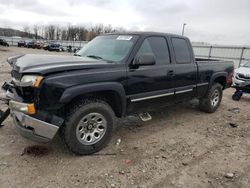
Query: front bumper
column 41, row 126
column 243, row 85
column 237, row 81
column 32, row 128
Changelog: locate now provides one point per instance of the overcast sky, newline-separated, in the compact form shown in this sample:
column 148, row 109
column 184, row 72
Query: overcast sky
column 213, row 21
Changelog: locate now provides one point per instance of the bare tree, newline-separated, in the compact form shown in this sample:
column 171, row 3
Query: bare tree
column 108, row 29
column 58, row 33
column 64, row 34
column 83, row 33
column 70, row 32
column 35, row 30
column 50, row 32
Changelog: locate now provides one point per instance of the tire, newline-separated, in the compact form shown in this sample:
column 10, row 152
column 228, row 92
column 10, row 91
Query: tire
column 80, row 131
column 211, row 101
column 236, row 96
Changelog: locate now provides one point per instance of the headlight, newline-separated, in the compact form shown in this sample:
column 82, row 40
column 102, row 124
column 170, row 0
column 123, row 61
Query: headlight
column 22, row 107
column 31, row 80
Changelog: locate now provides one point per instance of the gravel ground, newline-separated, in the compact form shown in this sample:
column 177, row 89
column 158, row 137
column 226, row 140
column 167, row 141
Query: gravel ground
column 179, row 147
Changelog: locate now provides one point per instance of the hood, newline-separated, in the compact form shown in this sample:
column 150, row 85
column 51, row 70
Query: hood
column 243, row 70
column 44, row 64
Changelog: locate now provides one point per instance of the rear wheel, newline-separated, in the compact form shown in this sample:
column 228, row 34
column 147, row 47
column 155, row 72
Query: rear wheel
column 88, row 127
column 212, row 100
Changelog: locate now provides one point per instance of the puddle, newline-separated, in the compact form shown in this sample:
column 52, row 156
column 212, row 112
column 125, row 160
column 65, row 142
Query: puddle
column 36, row 150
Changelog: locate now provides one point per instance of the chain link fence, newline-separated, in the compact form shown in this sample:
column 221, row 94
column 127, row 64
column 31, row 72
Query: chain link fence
column 238, row 54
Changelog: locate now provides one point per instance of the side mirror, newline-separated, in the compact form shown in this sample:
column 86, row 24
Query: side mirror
column 144, row 59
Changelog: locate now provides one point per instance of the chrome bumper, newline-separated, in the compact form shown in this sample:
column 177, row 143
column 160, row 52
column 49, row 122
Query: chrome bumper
column 237, row 81
column 33, row 128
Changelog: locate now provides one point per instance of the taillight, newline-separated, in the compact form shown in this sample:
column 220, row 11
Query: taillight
column 230, row 78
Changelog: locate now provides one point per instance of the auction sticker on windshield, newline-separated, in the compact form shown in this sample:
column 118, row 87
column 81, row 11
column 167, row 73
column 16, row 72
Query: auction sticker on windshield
column 124, row 37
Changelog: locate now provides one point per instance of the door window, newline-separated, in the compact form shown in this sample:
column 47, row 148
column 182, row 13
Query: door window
column 156, row 46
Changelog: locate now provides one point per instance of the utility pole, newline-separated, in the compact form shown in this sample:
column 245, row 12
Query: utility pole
column 183, row 28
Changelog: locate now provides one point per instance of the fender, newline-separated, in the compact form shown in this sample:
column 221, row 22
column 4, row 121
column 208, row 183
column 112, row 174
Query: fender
column 72, row 92
column 217, row 75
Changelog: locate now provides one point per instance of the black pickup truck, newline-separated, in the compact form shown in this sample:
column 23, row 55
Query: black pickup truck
column 112, row 76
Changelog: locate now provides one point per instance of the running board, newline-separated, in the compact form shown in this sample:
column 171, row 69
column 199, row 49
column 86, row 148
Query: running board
column 145, row 116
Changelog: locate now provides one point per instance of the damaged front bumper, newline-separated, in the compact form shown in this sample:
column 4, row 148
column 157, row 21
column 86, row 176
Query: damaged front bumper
column 33, row 128
column 41, row 126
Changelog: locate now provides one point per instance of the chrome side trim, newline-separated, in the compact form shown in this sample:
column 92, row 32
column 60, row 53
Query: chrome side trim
column 167, row 94
column 152, row 97
column 202, row 84
column 183, row 91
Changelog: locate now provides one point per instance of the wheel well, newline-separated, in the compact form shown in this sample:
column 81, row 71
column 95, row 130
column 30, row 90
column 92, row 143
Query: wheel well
column 111, row 97
column 221, row 80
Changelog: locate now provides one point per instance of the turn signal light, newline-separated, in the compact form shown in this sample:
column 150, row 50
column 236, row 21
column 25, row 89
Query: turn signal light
column 31, row 108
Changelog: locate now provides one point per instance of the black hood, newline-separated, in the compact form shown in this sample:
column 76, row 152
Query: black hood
column 44, row 64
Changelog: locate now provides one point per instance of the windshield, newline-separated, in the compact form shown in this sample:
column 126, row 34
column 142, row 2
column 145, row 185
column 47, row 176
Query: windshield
column 247, row 64
column 112, row 48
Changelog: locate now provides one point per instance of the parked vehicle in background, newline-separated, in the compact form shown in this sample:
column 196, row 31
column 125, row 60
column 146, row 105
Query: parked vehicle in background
column 241, row 81
column 114, row 75
column 242, row 74
column 45, row 46
column 3, row 42
column 55, row 47
column 76, row 49
column 31, row 44
column 38, row 44
column 21, row 43
column 69, row 48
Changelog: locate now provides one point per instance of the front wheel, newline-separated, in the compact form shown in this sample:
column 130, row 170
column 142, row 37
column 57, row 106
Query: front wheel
column 88, row 127
column 212, row 100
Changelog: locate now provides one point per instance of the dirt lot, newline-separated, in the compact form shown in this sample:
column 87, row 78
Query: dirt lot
column 180, row 147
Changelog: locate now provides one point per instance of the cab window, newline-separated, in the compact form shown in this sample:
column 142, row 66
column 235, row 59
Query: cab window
column 181, row 50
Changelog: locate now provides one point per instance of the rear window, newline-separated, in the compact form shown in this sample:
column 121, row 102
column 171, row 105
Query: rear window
column 181, row 50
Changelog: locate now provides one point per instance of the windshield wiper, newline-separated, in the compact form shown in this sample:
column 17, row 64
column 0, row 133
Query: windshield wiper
column 94, row 56
column 99, row 57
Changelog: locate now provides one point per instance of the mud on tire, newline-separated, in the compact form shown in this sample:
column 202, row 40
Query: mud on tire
column 211, row 101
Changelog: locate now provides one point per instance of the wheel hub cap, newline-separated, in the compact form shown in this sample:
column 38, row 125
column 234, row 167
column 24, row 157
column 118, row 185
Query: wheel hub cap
column 91, row 128
column 215, row 98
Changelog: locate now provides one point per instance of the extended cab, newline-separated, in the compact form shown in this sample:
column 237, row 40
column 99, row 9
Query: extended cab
column 113, row 75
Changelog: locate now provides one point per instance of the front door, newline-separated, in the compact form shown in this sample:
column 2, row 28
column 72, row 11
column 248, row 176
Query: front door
column 152, row 83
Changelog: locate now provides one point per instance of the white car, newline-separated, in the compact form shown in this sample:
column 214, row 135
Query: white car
column 241, row 76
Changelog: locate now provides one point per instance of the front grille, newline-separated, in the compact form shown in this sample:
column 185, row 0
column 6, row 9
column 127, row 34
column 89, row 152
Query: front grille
column 16, row 75
column 244, row 77
column 27, row 94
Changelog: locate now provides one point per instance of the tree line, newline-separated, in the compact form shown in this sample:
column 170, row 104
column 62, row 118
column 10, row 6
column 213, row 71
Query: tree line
column 76, row 33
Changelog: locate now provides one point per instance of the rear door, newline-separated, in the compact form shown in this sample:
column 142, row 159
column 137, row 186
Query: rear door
column 152, row 82
column 185, row 68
